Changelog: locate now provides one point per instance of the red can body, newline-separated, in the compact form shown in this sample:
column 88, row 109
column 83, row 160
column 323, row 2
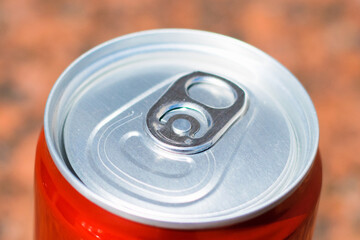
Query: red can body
column 63, row 213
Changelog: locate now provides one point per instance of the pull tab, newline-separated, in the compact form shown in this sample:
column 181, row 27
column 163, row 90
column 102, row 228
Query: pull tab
column 195, row 112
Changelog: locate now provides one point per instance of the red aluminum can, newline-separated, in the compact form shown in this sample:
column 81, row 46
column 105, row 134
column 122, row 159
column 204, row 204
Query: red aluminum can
column 177, row 134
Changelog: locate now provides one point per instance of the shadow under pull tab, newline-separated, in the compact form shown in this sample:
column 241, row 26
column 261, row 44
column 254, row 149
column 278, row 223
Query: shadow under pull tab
column 195, row 112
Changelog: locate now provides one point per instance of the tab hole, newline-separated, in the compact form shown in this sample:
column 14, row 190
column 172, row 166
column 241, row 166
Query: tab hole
column 211, row 92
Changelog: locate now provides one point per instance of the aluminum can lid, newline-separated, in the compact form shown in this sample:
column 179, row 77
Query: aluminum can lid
column 181, row 129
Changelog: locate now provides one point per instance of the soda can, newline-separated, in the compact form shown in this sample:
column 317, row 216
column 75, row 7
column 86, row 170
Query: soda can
column 177, row 134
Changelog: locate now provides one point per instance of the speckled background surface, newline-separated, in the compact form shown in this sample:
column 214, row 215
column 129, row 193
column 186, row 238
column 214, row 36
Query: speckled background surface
column 318, row 40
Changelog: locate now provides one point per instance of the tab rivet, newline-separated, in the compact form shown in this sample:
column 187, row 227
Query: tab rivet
column 181, row 126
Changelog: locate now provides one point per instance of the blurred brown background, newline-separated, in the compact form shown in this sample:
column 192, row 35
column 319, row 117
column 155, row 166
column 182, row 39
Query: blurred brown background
column 318, row 40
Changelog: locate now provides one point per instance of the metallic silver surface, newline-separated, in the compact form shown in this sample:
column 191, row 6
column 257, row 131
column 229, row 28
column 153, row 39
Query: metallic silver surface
column 216, row 120
column 96, row 131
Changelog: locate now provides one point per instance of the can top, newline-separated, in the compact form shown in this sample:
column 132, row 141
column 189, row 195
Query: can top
column 181, row 129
